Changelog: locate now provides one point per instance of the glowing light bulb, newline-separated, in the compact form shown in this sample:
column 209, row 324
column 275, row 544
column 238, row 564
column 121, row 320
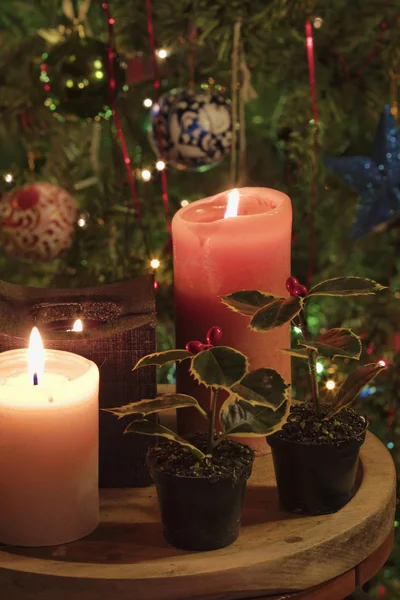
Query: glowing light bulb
column 233, row 204
column 297, row 329
column 99, row 74
column 97, row 64
column 154, row 263
column 318, row 22
column 162, row 53
column 78, row 326
column 319, row 367
column 160, row 165
column 330, row 384
column 382, row 362
column 147, row 102
column 146, row 175
column 8, row 177
column 184, row 203
column 82, row 222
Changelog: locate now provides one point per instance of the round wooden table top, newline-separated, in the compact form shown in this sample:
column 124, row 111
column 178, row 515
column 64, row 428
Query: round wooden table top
column 277, row 553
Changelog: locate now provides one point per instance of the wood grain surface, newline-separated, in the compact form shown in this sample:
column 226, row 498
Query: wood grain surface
column 277, row 552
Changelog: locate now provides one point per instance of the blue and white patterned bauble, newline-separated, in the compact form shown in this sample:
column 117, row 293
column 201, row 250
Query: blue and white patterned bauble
column 191, row 130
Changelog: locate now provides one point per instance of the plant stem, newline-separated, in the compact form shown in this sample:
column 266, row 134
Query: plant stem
column 211, row 419
column 312, row 370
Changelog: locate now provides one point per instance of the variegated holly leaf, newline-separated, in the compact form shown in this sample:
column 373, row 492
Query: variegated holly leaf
column 247, row 302
column 144, row 427
column 336, row 342
column 163, row 402
column 346, row 286
column 263, row 387
column 162, row 358
column 276, row 313
column 240, row 418
column 219, row 367
column 296, row 352
column 352, row 386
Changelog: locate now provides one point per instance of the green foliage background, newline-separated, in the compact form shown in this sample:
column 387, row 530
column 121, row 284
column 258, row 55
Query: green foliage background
column 280, row 151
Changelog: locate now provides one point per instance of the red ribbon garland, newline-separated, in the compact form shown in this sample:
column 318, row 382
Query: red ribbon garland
column 120, row 136
column 313, row 191
column 157, row 83
column 311, row 69
column 369, row 56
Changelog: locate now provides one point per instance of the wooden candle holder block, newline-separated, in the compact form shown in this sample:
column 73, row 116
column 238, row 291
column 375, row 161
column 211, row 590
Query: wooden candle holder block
column 121, row 329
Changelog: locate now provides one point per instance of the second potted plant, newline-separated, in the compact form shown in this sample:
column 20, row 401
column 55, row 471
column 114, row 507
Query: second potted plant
column 201, row 480
column 316, row 452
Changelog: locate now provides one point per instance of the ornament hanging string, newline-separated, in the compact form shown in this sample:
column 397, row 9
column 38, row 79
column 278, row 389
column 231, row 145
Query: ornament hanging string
column 156, row 84
column 242, row 92
column 234, row 92
column 94, row 148
column 313, row 184
column 31, row 156
column 191, row 39
column 394, row 89
column 392, row 261
column 118, row 125
column 247, row 92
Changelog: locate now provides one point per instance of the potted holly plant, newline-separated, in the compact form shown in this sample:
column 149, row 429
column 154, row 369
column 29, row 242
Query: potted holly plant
column 316, row 452
column 201, row 480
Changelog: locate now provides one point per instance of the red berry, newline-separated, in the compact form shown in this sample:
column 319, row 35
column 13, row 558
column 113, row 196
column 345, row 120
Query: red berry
column 295, row 288
column 195, row 347
column 302, row 291
column 214, row 335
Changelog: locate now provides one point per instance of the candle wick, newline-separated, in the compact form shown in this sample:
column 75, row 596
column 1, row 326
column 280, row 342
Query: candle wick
column 35, row 379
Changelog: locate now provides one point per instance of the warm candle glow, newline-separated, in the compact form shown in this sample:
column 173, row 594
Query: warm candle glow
column 35, row 357
column 78, row 326
column 233, row 204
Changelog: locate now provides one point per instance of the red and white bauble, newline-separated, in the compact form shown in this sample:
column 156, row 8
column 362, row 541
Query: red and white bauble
column 37, row 221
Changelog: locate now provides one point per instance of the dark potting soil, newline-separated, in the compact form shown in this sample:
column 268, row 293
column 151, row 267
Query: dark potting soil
column 302, row 426
column 230, row 460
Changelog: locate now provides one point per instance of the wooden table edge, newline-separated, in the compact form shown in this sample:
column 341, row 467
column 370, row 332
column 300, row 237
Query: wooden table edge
column 342, row 586
column 210, row 580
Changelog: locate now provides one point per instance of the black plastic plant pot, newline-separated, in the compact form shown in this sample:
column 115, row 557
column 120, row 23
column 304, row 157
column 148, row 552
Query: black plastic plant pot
column 315, row 479
column 198, row 513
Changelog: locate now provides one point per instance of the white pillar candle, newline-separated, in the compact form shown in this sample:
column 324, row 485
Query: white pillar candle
column 48, row 448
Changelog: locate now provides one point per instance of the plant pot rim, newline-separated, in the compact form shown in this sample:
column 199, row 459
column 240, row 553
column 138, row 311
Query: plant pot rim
column 330, row 443
column 210, row 479
column 192, row 478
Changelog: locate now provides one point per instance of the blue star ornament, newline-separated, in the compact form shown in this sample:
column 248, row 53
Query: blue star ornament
column 375, row 178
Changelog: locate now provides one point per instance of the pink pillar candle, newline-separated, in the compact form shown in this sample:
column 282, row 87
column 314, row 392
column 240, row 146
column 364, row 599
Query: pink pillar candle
column 48, row 449
column 215, row 256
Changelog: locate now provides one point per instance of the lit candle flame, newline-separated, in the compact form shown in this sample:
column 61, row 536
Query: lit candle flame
column 35, row 357
column 78, row 325
column 233, row 204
